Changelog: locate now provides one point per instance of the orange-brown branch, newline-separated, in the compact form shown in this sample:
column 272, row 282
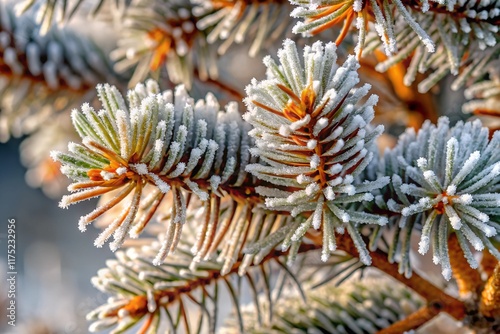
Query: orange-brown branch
column 490, row 298
column 433, row 294
column 414, row 320
column 430, row 292
column 488, row 263
column 222, row 86
column 468, row 279
column 138, row 306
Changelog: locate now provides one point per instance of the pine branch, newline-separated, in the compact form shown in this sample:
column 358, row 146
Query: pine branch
column 437, row 7
column 490, row 297
column 50, row 12
column 314, row 141
column 444, row 180
column 143, row 291
column 41, row 77
column 165, row 142
column 158, row 34
column 463, row 47
column 356, row 307
column 322, row 15
column 413, row 320
column 236, row 21
column 468, row 279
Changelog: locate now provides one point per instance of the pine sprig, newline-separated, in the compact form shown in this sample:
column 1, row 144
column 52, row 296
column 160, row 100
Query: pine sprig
column 160, row 34
column 314, row 139
column 322, row 15
column 167, row 143
column 444, row 37
column 463, row 47
column 444, row 180
column 49, row 12
column 484, row 95
column 235, row 21
column 158, row 296
column 42, row 76
column 355, row 307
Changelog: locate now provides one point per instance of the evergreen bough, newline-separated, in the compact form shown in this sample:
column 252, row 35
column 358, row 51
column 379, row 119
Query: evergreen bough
column 286, row 196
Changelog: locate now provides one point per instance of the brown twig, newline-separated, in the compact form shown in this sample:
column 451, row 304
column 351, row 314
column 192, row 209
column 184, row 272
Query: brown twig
column 138, row 305
column 490, row 298
column 414, row 320
column 435, row 296
column 468, row 279
column 221, row 85
column 488, row 263
column 430, row 292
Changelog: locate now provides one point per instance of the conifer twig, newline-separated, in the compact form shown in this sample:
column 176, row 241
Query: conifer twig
column 434, row 295
column 138, row 306
column 221, row 85
column 414, row 320
column 468, row 279
column 490, row 298
column 488, row 263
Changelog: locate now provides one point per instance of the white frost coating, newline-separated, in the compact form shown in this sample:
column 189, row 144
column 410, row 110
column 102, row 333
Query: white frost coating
column 300, row 123
column 311, row 144
column 121, row 170
column 451, row 190
column 349, row 190
column 318, row 214
column 285, row 130
column 335, row 169
column 465, row 199
column 107, row 175
column 330, row 194
column 141, row 169
column 312, row 189
column 315, row 161
column 151, row 301
column 162, row 185
column 304, row 179
column 467, row 167
column 423, row 245
column 357, row 5
column 422, row 163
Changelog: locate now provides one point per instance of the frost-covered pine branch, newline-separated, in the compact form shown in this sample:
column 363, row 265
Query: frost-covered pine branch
column 49, row 12
column 314, row 139
column 355, row 307
column 237, row 21
column 465, row 44
column 174, row 295
column 165, row 145
column 484, row 95
column 441, row 36
column 444, row 180
column 42, row 76
column 275, row 203
column 163, row 34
